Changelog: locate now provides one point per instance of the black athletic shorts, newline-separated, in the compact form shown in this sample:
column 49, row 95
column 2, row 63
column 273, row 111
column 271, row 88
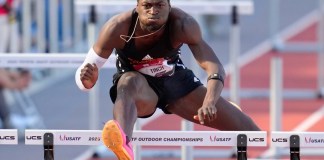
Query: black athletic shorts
column 168, row 89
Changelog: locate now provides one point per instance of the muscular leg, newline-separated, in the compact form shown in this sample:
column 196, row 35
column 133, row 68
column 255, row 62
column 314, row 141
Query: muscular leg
column 228, row 118
column 134, row 98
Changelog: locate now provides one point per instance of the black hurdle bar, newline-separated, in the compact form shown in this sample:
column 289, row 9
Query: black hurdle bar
column 48, row 146
column 235, row 15
column 93, row 14
column 294, row 147
column 241, row 147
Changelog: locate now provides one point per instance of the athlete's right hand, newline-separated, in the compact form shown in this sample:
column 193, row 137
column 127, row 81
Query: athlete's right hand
column 89, row 75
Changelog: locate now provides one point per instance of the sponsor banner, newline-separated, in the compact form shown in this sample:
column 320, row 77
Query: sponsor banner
column 197, row 138
column 150, row 138
column 48, row 60
column 8, row 136
column 64, row 137
column 307, row 139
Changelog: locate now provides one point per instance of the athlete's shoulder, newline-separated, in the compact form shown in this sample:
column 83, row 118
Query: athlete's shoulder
column 113, row 28
column 178, row 14
column 119, row 23
column 184, row 25
column 124, row 17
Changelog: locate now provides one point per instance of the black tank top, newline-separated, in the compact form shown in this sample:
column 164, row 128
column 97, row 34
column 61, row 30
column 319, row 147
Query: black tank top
column 158, row 61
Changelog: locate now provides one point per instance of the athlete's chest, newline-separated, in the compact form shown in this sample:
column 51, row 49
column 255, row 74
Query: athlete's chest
column 153, row 46
column 152, row 58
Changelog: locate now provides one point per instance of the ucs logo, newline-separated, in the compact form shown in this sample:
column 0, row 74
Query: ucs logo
column 34, row 137
column 7, row 137
column 256, row 139
column 279, row 140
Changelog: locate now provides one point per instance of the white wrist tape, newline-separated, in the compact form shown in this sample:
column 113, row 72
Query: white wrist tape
column 91, row 58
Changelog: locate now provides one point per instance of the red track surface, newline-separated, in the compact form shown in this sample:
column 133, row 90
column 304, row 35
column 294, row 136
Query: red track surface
column 300, row 72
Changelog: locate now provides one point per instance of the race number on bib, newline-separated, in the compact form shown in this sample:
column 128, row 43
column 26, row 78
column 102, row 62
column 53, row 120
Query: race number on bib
column 155, row 68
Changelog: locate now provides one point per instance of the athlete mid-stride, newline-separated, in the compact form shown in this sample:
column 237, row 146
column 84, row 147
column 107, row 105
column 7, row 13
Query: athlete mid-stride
column 150, row 73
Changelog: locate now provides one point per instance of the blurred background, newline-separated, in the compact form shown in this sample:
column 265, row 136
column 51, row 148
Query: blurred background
column 277, row 77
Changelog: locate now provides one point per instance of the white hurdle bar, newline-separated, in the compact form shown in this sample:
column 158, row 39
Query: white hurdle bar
column 244, row 139
column 307, row 139
column 298, row 140
column 193, row 7
column 151, row 138
column 8, row 136
column 55, row 60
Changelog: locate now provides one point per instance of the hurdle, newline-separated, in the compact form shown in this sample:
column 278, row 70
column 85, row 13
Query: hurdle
column 55, row 60
column 280, row 46
column 8, row 136
column 276, row 112
column 291, row 143
column 50, row 138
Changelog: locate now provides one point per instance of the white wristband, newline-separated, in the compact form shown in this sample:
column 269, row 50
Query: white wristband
column 91, row 58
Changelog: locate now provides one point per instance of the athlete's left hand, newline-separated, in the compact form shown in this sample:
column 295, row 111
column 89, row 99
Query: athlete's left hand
column 206, row 112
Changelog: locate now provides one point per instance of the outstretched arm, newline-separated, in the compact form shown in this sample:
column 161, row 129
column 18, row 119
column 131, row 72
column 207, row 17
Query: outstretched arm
column 208, row 60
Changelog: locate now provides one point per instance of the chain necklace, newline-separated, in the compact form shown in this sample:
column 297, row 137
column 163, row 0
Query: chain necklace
column 123, row 37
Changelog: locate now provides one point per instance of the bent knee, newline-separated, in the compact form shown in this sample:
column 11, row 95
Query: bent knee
column 235, row 105
column 130, row 80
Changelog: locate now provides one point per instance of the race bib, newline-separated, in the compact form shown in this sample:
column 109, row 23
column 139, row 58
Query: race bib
column 155, row 68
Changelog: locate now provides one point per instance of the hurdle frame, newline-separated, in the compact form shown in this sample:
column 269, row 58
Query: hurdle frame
column 295, row 144
column 48, row 144
column 280, row 46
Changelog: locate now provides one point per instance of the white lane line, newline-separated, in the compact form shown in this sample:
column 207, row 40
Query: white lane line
column 311, row 120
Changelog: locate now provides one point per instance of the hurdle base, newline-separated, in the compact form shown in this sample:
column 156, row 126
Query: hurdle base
column 320, row 94
column 241, row 147
column 294, row 147
column 48, row 146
